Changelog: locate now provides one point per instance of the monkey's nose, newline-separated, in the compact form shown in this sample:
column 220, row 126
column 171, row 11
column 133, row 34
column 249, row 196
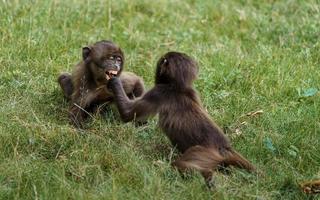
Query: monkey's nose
column 117, row 65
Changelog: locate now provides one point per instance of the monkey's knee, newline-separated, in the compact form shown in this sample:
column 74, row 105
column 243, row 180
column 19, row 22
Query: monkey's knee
column 63, row 77
column 138, row 89
column 192, row 162
column 66, row 85
column 185, row 167
column 180, row 166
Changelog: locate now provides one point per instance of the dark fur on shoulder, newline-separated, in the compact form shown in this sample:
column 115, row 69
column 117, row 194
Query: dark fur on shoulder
column 203, row 144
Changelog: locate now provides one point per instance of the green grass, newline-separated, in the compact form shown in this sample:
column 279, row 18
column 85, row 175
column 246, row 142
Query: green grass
column 252, row 54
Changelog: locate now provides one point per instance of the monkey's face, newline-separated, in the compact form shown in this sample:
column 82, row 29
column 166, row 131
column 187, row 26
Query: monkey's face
column 104, row 59
column 176, row 68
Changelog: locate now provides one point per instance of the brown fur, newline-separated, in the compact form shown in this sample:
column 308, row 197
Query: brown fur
column 86, row 86
column 203, row 145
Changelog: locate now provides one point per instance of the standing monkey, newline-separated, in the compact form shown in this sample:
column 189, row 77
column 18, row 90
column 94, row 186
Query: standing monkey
column 86, row 87
column 203, row 145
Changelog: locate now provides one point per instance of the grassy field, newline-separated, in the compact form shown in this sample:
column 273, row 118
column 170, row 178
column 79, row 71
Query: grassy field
column 253, row 55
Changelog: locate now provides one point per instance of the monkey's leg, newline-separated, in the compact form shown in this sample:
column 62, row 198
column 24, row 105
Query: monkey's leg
column 201, row 159
column 188, row 166
column 66, row 85
column 132, row 84
column 77, row 115
column 135, row 90
column 80, row 108
column 234, row 158
column 138, row 89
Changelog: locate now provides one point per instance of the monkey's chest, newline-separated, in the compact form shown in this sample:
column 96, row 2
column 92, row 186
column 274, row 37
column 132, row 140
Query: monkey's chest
column 179, row 130
column 103, row 95
column 186, row 129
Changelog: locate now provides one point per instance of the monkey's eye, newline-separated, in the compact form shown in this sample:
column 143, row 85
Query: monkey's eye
column 118, row 59
column 111, row 58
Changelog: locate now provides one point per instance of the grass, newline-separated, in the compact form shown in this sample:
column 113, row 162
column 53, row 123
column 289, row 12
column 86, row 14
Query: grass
column 253, row 55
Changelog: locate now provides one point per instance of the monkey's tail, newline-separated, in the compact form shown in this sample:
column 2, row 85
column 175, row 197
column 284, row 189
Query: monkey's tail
column 234, row 158
column 207, row 159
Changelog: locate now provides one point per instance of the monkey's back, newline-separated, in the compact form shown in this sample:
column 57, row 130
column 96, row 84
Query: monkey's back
column 186, row 123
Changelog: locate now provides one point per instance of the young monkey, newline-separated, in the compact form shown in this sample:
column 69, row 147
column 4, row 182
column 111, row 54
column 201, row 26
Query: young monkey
column 86, row 87
column 203, row 145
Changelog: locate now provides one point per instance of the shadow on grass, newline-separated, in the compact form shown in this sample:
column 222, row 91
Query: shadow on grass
column 53, row 107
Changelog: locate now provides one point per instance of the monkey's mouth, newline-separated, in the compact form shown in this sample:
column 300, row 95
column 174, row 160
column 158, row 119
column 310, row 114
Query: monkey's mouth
column 110, row 74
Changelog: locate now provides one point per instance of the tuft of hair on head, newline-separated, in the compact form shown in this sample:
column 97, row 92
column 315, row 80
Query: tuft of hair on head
column 177, row 69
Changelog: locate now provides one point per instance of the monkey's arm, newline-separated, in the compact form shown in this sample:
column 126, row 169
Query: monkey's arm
column 129, row 110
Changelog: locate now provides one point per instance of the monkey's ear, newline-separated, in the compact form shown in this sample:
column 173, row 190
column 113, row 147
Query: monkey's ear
column 164, row 66
column 85, row 52
column 165, row 61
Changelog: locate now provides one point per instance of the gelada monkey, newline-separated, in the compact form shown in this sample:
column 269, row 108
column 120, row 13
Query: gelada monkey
column 203, row 145
column 86, row 87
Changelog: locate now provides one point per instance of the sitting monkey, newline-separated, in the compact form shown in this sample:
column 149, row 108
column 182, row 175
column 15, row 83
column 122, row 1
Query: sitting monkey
column 86, row 87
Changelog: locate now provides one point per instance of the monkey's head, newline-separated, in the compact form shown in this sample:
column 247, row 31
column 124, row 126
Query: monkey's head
column 177, row 69
column 104, row 59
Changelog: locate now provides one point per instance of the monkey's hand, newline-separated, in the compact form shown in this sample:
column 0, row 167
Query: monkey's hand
column 114, row 83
